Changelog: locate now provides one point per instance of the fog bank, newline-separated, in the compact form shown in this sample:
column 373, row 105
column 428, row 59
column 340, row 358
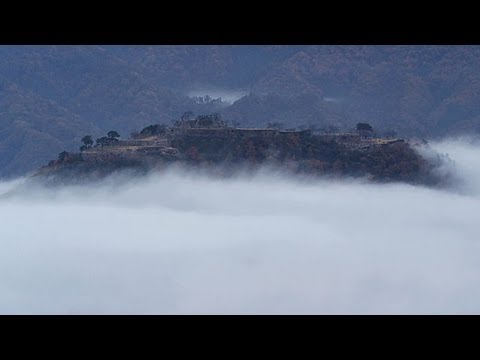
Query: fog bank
column 180, row 243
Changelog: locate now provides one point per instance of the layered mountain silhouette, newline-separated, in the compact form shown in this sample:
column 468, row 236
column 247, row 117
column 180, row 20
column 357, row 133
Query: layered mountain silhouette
column 51, row 96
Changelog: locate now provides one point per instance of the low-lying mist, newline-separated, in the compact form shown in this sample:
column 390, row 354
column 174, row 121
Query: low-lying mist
column 227, row 96
column 185, row 243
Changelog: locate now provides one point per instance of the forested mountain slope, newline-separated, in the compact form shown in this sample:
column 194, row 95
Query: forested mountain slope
column 50, row 96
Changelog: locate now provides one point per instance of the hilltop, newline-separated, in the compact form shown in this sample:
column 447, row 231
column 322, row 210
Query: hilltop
column 206, row 142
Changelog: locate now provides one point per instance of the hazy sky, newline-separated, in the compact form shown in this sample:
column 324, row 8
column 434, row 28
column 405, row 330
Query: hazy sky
column 184, row 243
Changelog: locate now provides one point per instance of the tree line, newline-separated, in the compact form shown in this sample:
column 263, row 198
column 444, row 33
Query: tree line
column 87, row 140
column 108, row 140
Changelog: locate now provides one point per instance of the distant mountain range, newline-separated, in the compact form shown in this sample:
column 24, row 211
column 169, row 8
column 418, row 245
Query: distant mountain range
column 50, row 96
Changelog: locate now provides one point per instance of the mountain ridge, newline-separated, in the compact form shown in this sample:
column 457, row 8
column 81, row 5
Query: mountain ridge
column 63, row 92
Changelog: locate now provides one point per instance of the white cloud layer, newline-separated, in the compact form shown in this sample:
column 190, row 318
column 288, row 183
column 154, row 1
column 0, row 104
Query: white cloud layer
column 184, row 243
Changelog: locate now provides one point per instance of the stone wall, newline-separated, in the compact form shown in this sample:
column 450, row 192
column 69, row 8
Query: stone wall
column 159, row 142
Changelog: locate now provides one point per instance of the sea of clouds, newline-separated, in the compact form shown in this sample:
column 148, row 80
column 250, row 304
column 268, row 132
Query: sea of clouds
column 184, row 243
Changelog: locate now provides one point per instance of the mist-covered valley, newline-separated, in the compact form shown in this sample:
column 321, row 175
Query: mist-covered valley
column 183, row 242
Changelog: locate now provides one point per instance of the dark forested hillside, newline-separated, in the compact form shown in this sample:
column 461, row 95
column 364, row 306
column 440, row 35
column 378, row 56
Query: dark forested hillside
column 50, row 96
column 207, row 143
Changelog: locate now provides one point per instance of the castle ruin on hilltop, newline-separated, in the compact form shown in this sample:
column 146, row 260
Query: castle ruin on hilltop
column 160, row 139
